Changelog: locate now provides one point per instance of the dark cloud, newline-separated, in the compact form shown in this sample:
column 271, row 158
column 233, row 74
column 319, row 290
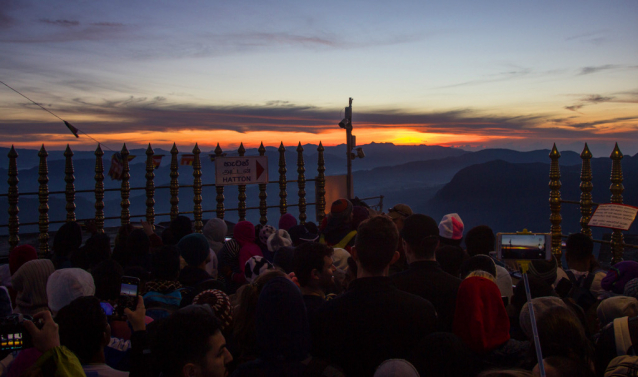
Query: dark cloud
column 596, row 98
column 590, row 70
column 108, row 24
column 60, row 22
column 574, row 107
column 504, row 76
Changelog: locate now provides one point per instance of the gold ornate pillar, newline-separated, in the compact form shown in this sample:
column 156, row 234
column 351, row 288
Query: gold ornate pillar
column 125, row 217
column 241, row 206
column 99, row 190
column 174, row 183
column 301, row 183
column 197, row 190
column 69, row 178
column 554, row 203
column 616, row 188
column 321, row 184
column 586, row 187
column 14, row 222
column 263, row 207
column 43, row 197
column 150, row 186
column 283, row 205
column 220, row 189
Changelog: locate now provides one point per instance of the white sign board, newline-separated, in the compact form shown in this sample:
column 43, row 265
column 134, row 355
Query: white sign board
column 614, row 216
column 241, row 170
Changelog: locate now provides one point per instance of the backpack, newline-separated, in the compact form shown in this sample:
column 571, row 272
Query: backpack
column 580, row 292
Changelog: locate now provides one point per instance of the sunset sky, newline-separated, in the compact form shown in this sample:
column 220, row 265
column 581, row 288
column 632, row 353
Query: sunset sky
column 474, row 74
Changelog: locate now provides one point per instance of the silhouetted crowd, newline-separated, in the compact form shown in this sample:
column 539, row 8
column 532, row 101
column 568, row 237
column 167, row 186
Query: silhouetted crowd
column 360, row 294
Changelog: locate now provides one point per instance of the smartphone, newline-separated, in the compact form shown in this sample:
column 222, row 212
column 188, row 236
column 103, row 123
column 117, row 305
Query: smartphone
column 13, row 335
column 129, row 290
column 529, row 246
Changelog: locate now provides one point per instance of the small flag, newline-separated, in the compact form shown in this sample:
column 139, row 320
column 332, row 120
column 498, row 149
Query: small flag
column 157, row 159
column 187, row 159
column 117, row 166
column 72, row 129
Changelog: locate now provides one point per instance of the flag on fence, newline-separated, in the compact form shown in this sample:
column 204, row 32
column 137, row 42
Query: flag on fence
column 157, row 159
column 187, row 159
column 117, row 166
column 72, row 129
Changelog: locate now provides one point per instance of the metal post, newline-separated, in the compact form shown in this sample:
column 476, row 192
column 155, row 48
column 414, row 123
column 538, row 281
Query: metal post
column 616, row 188
column 554, row 203
column 43, row 196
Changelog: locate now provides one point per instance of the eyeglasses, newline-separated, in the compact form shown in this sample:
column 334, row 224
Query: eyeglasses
column 399, row 212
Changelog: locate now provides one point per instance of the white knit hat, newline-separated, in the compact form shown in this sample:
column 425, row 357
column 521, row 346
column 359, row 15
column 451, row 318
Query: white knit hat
column 66, row 285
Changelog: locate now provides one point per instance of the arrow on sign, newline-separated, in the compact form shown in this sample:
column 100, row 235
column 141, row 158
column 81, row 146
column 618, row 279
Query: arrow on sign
column 260, row 169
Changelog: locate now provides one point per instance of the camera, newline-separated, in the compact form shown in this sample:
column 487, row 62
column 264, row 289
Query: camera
column 13, row 335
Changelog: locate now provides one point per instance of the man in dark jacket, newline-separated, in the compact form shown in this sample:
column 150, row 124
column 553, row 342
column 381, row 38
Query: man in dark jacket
column 373, row 321
column 425, row 277
column 195, row 251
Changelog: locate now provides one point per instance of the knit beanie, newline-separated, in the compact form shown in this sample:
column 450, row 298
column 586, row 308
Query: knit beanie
column 616, row 307
column 66, row 285
column 287, row 221
column 265, row 232
column 220, row 303
column 194, row 248
column 545, row 270
column 255, row 266
column 622, row 366
column 631, row 288
column 21, row 255
column 340, row 258
column 541, row 304
column 451, row 227
column 277, row 240
column 30, row 281
column 619, row 275
column 341, row 209
column 396, row 368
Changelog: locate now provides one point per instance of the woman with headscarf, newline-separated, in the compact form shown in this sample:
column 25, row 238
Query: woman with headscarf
column 235, row 253
column 215, row 231
column 67, row 240
column 481, row 322
column 245, row 234
column 30, row 283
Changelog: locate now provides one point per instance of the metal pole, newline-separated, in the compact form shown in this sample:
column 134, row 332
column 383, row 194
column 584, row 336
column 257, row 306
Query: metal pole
column 349, row 149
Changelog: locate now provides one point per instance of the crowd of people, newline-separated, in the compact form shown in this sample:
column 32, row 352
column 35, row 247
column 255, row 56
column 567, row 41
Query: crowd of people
column 360, row 294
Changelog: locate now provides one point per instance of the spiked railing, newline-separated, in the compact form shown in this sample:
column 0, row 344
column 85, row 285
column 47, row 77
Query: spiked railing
column 263, row 206
column 241, row 206
column 586, row 202
column 554, row 202
column 125, row 189
column 99, row 190
column 69, row 178
column 150, row 186
column 197, row 190
column 283, row 205
column 174, row 183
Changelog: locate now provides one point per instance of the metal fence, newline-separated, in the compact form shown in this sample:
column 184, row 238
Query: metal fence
column 586, row 203
column 43, row 192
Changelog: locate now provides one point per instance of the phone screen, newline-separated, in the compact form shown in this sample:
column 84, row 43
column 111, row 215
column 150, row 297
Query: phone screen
column 12, row 341
column 128, row 293
column 524, row 246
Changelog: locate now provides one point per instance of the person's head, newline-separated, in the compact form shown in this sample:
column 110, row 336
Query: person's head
column 359, row 214
column 480, row 319
column 451, row 229
column 547, row 270
column 84, row 329
column 541, row 306
column 283, row 258
column 537, row 288
column 190, row 343
column 97, row 249
column 165, row 264
column 480, row 240
column 21, row 255
column 399, row 213
column 375, row 247
column 107, row 277
column 264, row 233
column 451, row 258
column 341, row 210
column 66, row 285
column 556, row 366
column 220, row 303
column 30, row 281
column 180, row 227
column 561, row 334
column 138, row 243
column 278, row 239
column 281, row 322
column 420, row 235
column 255, row 267
column 286, row 221
column 478, row 262
column 299, row 234
column 579, row 248
column 215, row 231
column 244, row 232
column 616, row 307
column 194, row 249
column 67, row 239
column 619, row 275
column 313, row 266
